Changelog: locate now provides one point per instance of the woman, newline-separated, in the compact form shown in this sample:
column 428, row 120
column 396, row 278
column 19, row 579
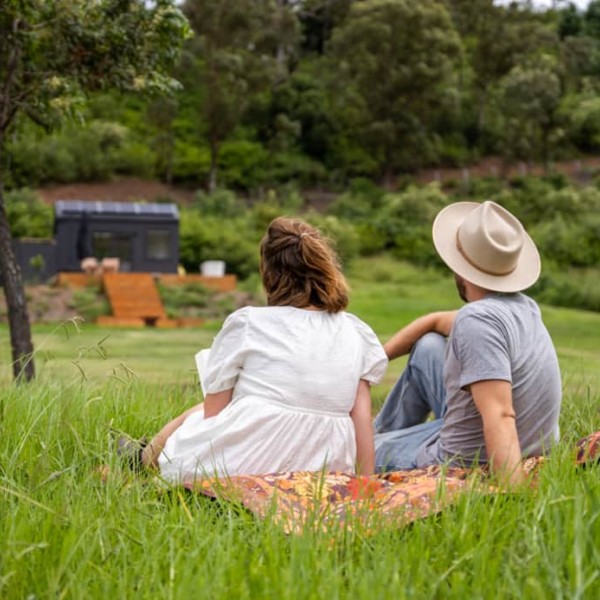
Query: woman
column 287, row 385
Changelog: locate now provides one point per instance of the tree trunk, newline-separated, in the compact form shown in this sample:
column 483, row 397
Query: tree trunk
column 14, row 292
column 212, row 175
column 546, row 149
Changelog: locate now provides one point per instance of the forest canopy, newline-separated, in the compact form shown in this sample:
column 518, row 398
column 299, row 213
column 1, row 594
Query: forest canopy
column 323, row 91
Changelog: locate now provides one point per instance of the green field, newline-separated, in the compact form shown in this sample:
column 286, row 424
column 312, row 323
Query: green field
column 67, row 534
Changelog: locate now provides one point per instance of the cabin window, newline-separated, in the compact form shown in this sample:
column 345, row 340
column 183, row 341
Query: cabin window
column 158, row 244
column 108, row 244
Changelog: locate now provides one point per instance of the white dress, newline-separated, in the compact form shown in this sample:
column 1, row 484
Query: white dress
column 294, row 375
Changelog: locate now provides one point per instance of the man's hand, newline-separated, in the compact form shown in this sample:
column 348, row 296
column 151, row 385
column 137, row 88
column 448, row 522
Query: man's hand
column 403, row 341
column 493, row 400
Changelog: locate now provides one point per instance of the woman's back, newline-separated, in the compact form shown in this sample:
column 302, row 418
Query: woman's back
column 294, row 374
column 305, row 359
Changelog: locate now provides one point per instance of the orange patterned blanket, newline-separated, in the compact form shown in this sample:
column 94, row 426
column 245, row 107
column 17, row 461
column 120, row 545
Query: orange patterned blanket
column 302, row 499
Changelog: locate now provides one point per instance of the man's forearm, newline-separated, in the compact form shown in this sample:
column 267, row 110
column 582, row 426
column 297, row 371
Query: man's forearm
column 402, row 342
column 504, row 451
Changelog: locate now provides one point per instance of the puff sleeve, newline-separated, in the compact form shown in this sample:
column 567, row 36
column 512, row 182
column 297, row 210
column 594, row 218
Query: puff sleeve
column 227, row 354
column 374, row 358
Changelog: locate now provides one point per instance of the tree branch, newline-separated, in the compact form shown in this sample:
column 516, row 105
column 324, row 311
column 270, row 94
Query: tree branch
column 7, row 114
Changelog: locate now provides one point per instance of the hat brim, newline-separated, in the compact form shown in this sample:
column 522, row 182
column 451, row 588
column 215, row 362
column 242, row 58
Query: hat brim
column 445, row 228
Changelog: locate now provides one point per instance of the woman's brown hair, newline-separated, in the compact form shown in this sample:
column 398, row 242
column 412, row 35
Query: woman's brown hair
column 299, row 268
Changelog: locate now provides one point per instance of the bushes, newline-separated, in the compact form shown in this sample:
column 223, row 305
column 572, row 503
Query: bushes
column 209, row 237
column 90, row 303
column 564, row 222
column 194, row 300
column 570, row 242
column 28, row 216
column 400, row 222
column 574, row 288
column 93, row 152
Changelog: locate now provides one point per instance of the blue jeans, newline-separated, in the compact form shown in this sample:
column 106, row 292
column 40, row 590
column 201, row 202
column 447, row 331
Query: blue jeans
column 400, row 427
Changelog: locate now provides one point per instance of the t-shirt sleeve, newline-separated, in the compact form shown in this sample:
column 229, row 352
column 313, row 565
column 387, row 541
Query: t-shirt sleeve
column 374, row 358
column 482, row 350
column 227, row 354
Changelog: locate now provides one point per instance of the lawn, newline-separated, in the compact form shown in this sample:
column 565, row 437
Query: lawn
column 66, row 533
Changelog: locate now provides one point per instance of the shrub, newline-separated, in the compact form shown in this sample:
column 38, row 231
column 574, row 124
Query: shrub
column 28, row 216
column 293, row 167
column 574, row 288
column 243, row 164
column 208, row 237
column 220, row 203
column 569, row 242
column 405, row 222
column 190, row 163
column 90, row 303
column 93, row 152
column 195, row 300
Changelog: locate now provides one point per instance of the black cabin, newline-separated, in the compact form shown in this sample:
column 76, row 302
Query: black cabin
column 144, row 237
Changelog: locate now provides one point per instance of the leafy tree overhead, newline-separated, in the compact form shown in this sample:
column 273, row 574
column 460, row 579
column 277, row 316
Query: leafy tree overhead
column 51, row 55
column 496, row 38
column 529, row 101
column 318, row 19
column 236, row 53
column 391, row 65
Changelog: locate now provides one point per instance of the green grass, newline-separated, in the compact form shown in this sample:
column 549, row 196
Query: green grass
column 66, row 533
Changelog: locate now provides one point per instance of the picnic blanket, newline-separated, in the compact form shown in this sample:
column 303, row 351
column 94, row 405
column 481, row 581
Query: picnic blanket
column 301, row 499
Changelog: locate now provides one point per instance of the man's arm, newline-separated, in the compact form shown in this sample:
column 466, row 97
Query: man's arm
column 493, row 399
column 403, row 341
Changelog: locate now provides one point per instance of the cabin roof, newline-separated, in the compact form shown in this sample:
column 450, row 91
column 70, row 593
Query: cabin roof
column 65, row 208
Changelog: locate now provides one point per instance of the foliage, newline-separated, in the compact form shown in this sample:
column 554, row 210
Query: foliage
column 27, row 215
column 51, row 55
column 393, row 60
column 94, row 152
column 572, row 287
column 243, row 164
column 73, row 529
column 90, row 303
column 54, row 52
column 232, row 57
column 195, row 300
column 321, row 91
column 204, row 236
column 529, row 102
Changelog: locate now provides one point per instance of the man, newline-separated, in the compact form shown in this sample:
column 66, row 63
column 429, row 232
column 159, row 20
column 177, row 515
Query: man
column 494, row 386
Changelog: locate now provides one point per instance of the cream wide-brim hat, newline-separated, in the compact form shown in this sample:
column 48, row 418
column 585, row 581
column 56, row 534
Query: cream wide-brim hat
column 486, row 245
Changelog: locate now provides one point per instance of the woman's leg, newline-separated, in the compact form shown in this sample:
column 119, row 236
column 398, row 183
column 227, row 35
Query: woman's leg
column 152, row 451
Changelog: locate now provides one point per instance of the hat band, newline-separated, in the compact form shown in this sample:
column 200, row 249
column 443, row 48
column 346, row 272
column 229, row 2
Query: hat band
column 460, row 248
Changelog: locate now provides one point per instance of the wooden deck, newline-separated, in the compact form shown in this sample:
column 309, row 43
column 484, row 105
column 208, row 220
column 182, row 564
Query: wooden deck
column 227, row 283
column 134, row 297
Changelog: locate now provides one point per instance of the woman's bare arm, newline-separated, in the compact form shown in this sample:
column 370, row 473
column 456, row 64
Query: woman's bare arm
column 363, row 427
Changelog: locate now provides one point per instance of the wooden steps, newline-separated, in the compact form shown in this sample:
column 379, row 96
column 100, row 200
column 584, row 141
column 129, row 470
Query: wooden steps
column 133, row 296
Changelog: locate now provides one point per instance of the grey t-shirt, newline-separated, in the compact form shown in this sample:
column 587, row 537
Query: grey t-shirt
column 499, row 337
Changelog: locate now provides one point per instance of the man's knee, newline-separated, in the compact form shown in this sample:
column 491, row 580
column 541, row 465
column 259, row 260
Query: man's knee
column 430, row 348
